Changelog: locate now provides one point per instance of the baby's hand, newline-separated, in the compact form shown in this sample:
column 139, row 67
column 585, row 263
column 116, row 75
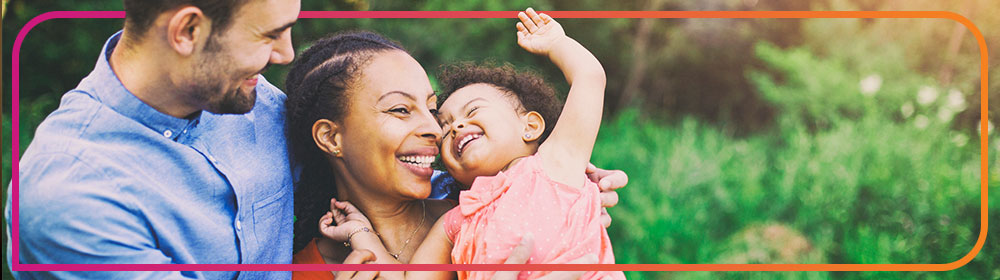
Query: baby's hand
column 349, row 221
column 538, row 33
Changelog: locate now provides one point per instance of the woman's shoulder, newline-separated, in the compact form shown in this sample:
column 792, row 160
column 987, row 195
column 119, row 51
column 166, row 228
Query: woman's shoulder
column 436, row 208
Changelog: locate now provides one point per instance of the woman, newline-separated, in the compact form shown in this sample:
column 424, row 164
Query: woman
column 361, row 123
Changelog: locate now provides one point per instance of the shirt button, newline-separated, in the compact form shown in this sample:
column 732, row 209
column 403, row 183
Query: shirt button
column 168, row 133
column 238, row 226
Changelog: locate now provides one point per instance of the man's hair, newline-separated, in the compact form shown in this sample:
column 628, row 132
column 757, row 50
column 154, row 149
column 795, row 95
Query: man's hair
column 525, row 87
column 140, row 14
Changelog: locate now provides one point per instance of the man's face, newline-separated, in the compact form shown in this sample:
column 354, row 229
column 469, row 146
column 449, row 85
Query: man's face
column 259, row 34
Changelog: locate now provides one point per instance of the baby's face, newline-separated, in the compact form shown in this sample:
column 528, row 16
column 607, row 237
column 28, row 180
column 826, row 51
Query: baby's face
column 482, row 130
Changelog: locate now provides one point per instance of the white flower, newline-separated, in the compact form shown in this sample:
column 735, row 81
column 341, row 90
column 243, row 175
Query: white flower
column 960, row 139
column 921, row 121
column 906, row 109
column 956, row 101
column 871, row 84
column 945, row 114
column 926, row 95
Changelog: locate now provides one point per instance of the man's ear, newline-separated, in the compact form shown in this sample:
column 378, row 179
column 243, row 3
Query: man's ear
column 326, row 134
column 534, row 126
column 186, row 28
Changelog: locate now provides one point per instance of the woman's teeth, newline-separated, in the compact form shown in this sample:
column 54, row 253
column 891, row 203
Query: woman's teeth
column 420, row 161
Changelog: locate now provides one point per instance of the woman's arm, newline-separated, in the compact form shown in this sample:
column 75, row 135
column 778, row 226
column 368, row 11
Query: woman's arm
column 436, row 249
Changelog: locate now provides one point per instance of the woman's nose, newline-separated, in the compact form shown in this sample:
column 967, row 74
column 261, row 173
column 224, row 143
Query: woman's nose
column 429, row 128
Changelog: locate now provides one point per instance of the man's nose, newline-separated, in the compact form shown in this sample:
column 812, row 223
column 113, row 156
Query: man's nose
column 283, row 52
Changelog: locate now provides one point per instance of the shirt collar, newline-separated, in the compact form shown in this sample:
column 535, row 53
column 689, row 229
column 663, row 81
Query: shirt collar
column 104, row 85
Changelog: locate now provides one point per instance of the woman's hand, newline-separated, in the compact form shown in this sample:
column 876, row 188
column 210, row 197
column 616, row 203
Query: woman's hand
column 522, row 253
column 608, row 181
column 349, row 220
column 538, row 33
column 358, row 257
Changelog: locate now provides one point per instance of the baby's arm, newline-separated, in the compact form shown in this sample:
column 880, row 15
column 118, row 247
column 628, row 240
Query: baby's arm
column 353, row 227
column 567, row 150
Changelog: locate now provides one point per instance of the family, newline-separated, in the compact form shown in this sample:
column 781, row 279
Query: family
column 176, row 150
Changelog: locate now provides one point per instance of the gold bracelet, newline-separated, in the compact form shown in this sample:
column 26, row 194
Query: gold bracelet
column 355, row 231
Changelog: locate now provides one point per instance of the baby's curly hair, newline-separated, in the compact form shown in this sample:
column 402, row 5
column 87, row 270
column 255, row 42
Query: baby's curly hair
column 529, row 88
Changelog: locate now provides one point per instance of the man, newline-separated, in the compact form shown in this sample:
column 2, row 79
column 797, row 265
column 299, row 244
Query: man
column 171, row 151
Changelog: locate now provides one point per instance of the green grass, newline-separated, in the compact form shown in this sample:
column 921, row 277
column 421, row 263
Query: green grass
column 860, row 192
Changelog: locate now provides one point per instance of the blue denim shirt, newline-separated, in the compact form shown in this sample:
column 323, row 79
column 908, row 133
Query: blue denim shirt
column 108, row 179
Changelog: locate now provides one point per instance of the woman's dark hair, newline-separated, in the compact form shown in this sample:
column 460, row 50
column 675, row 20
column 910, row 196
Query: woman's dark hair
column 316, row 87
column 528, row 87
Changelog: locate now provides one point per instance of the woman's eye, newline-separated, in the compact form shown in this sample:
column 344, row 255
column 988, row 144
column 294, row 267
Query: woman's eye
column 472, row 111
column 400, row 110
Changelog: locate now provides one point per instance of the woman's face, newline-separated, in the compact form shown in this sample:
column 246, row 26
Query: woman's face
column 389, row 132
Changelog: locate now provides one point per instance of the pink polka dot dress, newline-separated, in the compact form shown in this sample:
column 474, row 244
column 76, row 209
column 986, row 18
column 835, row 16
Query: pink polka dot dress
column 497, row 211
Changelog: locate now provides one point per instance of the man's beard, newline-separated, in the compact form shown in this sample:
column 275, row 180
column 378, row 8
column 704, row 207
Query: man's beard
column 210, row 89
column 234, row 102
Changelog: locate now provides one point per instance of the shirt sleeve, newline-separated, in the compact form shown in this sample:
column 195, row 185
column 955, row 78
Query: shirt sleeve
column 73, row 214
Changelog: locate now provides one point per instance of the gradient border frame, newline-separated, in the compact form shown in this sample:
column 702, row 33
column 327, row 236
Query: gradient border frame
column 984, row 90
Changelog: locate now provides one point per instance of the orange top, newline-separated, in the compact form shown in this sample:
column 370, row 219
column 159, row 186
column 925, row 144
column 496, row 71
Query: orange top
column 310, row 255
column 497, row 211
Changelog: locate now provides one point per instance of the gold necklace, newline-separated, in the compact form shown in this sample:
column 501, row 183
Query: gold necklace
column 407, row 242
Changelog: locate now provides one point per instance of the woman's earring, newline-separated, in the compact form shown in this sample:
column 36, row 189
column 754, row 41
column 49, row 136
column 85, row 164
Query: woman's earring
column 336, row 152
column 527, row 136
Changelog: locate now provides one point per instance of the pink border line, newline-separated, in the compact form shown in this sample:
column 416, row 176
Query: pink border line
column 15, row 154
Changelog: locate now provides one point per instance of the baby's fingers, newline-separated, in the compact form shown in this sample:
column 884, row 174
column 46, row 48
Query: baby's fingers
column 528, row 23
column 339, row 216
column 545, row 18
column 535, row 18
column 325, row 223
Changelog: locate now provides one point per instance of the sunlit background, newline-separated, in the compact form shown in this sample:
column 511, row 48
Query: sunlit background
column 745, row 140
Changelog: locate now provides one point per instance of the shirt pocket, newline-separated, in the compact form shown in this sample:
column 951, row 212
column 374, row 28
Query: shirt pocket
column 272, row 219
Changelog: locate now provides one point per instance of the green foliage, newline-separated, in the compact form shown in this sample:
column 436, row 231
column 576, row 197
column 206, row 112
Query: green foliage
column 843, row 178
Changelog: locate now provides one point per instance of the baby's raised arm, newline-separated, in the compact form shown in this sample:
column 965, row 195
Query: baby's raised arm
column 567, row 150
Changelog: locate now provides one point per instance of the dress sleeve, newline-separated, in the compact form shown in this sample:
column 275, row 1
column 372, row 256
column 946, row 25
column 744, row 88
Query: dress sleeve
column 453, row 223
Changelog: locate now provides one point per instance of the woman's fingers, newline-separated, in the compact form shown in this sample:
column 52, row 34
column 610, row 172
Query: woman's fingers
column 605, row 218
column 608, row 180
column 358, row 257
column 520, row 255
column 365, row 275
column 559, row 275
column 609, row 198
